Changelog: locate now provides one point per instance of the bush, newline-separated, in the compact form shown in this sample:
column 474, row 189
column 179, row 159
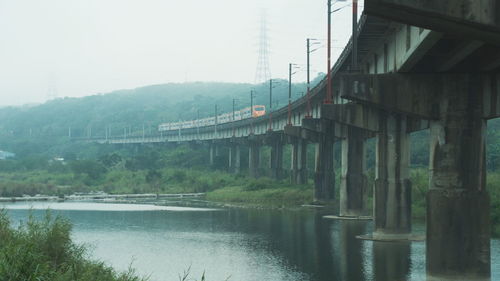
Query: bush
column 43, row 250
column 258, row 184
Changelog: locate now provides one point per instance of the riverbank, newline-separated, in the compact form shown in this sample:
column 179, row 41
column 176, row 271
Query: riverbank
column 219, row 186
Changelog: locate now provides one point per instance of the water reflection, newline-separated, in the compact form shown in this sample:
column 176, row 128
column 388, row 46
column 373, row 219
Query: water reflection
column 391, row 261
column 351, row 259
column 249, row 245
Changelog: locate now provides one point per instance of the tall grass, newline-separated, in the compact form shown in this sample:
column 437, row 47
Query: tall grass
column 43, row 250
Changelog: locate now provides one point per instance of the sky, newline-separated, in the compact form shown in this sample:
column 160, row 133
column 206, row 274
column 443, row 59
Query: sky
column 74, row 48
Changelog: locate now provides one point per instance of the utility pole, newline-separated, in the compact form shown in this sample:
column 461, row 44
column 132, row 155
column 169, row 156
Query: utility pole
column 270, row 104
column 233, row 109
column 308, row 114
column 309, row 51
column 180, row 128
column 215, row 120
column 328, row 98
column 251, row 111
column 289, row 94
column 198, row 123
column 355, row 35
column 233, row 116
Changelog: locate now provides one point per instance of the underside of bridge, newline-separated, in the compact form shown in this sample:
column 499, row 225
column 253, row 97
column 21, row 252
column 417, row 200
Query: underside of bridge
column 422, row 65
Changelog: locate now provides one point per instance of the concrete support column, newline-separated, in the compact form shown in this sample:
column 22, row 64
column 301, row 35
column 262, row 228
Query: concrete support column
column 299, row 162
column 324, row 175
column 231, row 157
column 237, row 162
column 212, row 154
column 458, row 214
column 253, row 159
column 353, row 176
column 276, row 160
column 392, row 192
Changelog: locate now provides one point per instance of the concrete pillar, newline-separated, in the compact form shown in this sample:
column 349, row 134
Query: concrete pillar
column 234, row 158
column 298, row 173
column 353, row 176
column 212, row 154
column 458, row 214
column 231, row 154
column 253, row 159
column 237, row 161
column 324, row 175
column 276, row 159
column 392, row 192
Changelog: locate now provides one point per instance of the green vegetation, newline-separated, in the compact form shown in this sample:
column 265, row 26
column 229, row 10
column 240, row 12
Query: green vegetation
column 39, row 135
column 263, row 192
column 43, row 250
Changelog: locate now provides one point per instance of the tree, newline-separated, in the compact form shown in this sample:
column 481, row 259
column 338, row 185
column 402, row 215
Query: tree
column 153, row 178
column 93, row 169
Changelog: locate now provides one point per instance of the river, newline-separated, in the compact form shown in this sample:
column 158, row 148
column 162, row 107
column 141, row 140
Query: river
column 242, row 244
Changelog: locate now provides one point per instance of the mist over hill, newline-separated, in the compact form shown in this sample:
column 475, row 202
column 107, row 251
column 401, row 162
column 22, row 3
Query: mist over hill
column 132, row 109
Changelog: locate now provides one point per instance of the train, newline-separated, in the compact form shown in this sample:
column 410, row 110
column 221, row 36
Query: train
column 257, row 110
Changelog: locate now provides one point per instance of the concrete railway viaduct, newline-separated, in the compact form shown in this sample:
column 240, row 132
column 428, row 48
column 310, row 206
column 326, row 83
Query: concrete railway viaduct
column 410, row 65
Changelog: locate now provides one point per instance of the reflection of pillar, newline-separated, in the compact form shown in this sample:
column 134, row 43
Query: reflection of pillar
column 324, row 177
column 392, row 194
column 276, row 159
column 353, row 177
column 351, row 257
column 458, row 219
column 253, row 159
column 299, row 162
column 391, row 261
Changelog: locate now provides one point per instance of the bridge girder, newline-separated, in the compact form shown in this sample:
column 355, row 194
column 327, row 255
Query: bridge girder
column 474, row 19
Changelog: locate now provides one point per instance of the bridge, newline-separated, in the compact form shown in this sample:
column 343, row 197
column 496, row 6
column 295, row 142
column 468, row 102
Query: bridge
column 409, row 65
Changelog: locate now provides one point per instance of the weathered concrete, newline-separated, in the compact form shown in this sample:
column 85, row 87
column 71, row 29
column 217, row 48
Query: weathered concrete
column 298, row 173
column 392, row 191
column 324, row 176
column 212, row 154
column 237, row 159
column 458, row 219
column 473, row 19
column 253, row 159
column 276, row 159
column 353, row 177
column 234, row 158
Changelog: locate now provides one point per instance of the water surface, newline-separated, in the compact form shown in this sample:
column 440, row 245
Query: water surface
column 246, row 245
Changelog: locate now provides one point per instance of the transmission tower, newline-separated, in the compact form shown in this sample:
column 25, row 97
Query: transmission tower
column 52, row 89
column 263, row 73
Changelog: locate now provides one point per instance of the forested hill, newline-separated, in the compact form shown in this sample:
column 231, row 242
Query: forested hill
column 134, row 108
column 44, row 128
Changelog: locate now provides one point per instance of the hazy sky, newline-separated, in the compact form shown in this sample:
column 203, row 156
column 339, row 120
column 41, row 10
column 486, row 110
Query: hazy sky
column 84, row 47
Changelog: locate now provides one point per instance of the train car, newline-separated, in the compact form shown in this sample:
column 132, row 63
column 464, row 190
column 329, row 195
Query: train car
column 257, row 110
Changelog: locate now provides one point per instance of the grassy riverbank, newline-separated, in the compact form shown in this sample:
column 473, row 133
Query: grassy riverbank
column 220, row 187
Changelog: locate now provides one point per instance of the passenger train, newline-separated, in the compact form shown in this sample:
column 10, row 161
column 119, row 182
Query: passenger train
column 258, row 110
